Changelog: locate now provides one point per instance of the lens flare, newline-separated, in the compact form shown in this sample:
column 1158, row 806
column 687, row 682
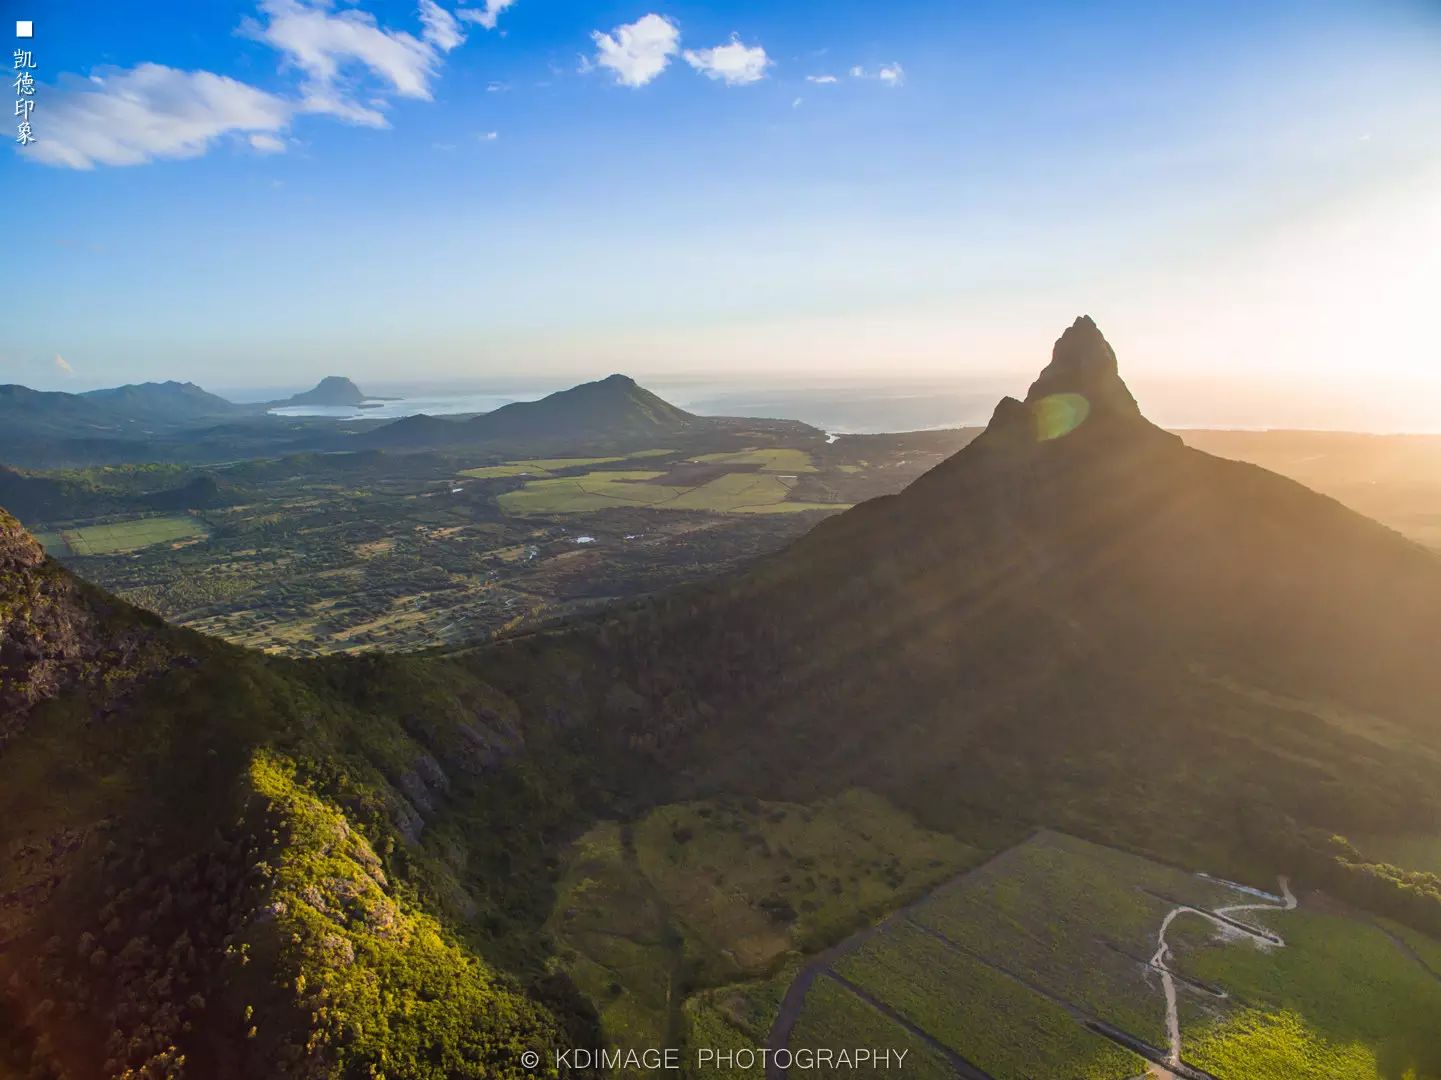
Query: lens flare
column 1060, row 414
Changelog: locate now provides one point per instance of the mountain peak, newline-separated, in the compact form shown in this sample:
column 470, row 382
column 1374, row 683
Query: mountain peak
column 331, row 390
column 618, row 381
column 1080, row 388
column 1084, row 364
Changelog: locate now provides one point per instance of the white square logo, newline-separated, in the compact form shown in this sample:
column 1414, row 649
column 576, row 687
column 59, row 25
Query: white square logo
column 24, row 28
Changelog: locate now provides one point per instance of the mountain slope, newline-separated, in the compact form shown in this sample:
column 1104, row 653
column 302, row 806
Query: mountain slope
column 614, row 406
column 212, row 860
column 1078, row 620
column 611, row 409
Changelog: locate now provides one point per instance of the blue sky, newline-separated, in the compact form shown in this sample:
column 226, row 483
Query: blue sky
column 264, row 192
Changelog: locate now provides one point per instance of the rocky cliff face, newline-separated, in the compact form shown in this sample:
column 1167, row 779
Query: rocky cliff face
column 51, row 638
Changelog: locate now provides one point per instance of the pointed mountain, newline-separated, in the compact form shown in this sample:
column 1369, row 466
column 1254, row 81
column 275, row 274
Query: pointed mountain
column 1074, row 605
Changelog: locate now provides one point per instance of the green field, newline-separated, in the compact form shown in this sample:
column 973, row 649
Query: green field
column 541, row 468
column 771, row 460
column 834, row 1017
column 988, row 966
column 1072, row 917
column 958, row 1000
column 124, row 536
column 495, row 472
column 1340, row 1000
column 708, row 893
column 736, row 493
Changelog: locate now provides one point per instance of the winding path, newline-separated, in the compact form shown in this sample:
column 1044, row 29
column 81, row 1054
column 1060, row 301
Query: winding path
column 1285, row 902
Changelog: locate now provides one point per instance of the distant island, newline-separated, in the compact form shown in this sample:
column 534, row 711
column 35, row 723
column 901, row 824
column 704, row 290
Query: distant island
column 331, row 390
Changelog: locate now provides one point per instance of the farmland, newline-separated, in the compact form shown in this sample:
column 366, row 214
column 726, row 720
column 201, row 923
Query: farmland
column 957, row 999
column 1340, row 1000
column 353, row 552
column 120, row 537
column 835, row 1017
column 712, row 892
column 751, row 492
column 1007, row 965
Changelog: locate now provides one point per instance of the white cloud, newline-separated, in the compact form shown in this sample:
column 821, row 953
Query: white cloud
column 350, row 67
column 637, row 52
column 441, row 29
column 890, row 74
column 332, row 48
column 734, row 64
column 488, row 136
column 822, row 80
column 63, row 366
column 796, row 104
column 487, row 15
column 496, row 87
column 136, row 115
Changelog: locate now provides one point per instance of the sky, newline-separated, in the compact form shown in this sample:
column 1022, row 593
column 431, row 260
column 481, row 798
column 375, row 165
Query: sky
column 261, row 193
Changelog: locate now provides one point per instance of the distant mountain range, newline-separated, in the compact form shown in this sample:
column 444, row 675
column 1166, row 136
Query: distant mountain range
column 181, row 422
column 263, row 867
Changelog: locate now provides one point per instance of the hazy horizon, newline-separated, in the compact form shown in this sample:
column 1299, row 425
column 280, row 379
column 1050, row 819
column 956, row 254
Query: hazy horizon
column 281, row 186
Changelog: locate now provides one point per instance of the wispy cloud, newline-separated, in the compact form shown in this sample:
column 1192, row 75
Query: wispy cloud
column 890, row 74
column 488, row 136
column 349, row 65
column 637, row 52
column 822, row 80
column 734, row 64
column 132, row 116
column 63, row 366
column 441, row 29
column 486, row 16
column 339, row 52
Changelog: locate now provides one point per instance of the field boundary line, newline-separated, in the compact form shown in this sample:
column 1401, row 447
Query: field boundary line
column 963, row 1067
